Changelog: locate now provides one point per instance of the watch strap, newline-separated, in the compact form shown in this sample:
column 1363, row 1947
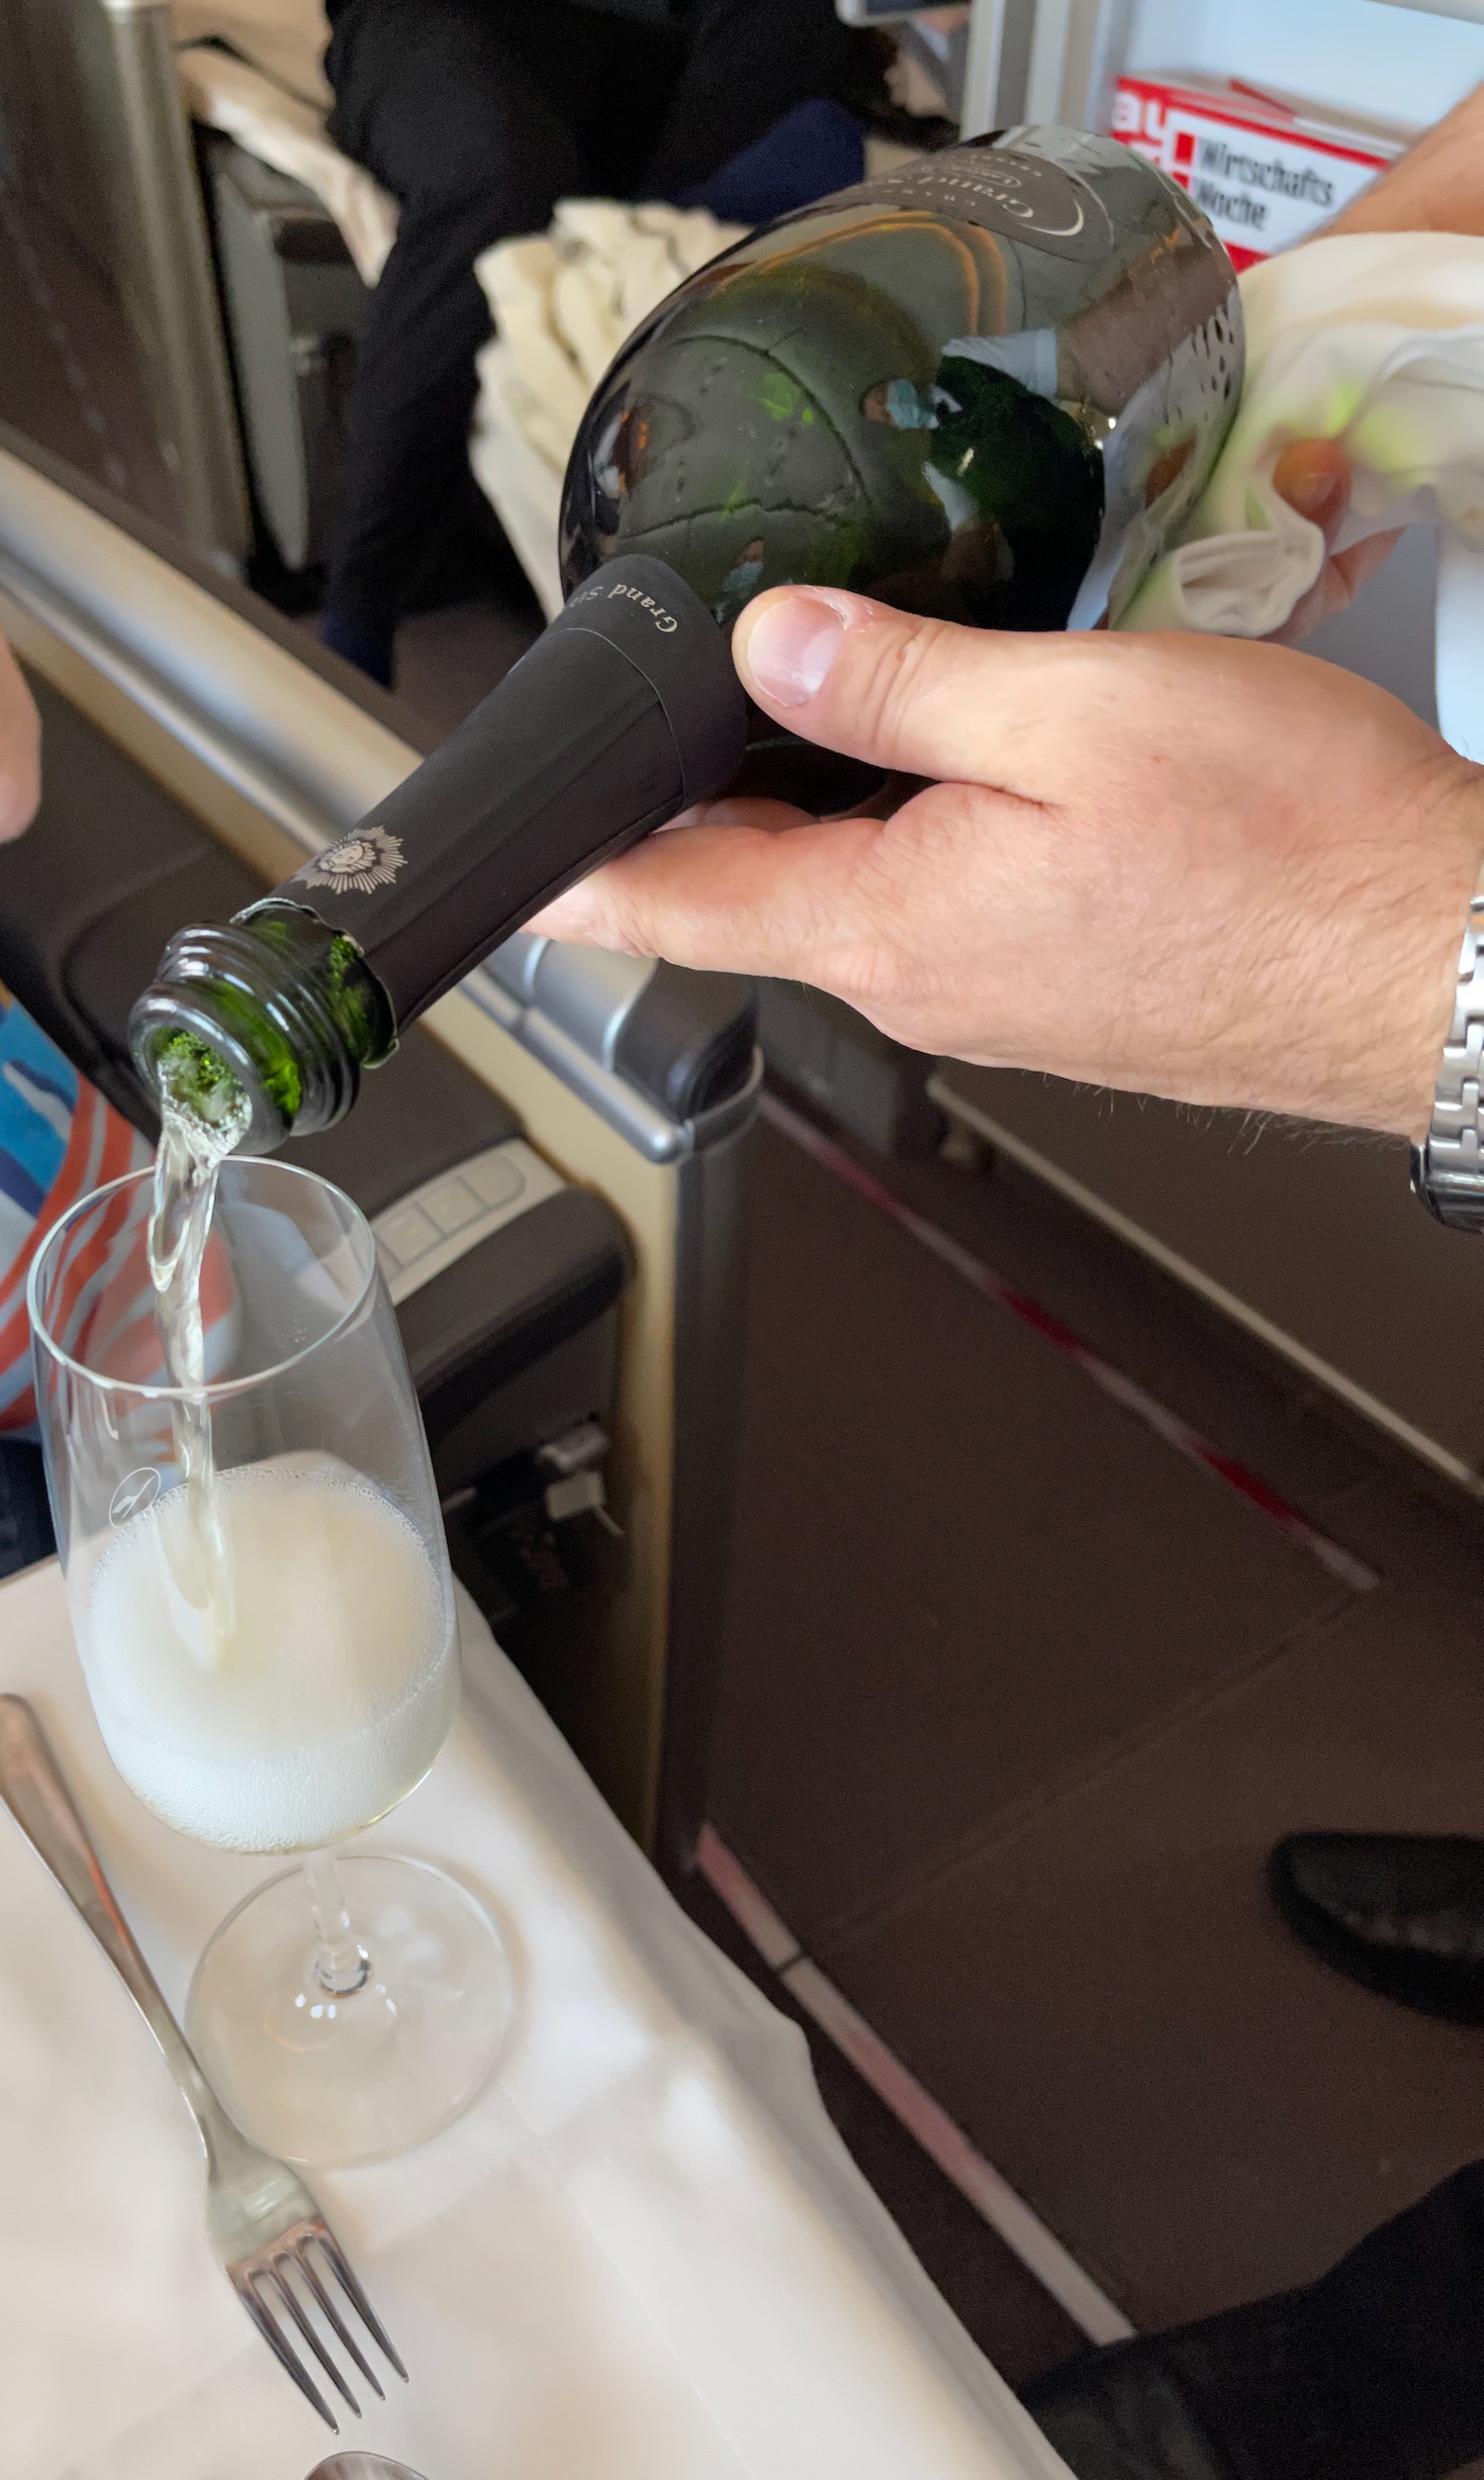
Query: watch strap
column 1447, row 1167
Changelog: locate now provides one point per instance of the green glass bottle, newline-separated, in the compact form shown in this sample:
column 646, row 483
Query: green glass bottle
column 987, row 385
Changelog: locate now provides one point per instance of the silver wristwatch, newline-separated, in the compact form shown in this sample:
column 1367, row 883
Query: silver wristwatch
column 1447, row 1167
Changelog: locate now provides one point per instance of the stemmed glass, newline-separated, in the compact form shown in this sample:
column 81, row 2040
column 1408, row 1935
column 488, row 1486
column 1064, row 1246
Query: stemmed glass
column 275, row 1669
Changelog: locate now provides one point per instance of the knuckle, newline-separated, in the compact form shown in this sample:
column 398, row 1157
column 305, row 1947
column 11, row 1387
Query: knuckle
column 894, row 664
column 619, row 921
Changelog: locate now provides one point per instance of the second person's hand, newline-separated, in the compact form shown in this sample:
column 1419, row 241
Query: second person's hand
column 1313, row 476
column 20, row 749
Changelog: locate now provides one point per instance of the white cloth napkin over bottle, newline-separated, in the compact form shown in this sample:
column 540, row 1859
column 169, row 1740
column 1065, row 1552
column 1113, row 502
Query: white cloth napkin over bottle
column 1375, row 340
column 643, row 2255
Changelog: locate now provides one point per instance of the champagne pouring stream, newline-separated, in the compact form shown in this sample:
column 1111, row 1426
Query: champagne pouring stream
column 203, row 1116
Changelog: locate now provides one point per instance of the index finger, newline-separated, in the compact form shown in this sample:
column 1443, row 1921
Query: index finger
column 743, row 898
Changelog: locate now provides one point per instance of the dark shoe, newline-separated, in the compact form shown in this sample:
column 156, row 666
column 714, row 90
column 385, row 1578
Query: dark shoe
column 1402, row 1913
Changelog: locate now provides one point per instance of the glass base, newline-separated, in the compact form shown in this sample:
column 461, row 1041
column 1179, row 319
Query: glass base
column 331, row 2079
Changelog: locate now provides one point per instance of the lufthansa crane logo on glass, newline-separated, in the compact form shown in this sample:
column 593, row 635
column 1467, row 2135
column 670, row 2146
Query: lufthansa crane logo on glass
column 138, row 1491
column 367, row 858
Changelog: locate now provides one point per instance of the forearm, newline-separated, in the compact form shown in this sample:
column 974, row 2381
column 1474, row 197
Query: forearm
column 1437, row 187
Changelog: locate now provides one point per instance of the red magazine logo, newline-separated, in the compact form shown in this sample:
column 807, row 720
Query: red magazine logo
column 1262, row 178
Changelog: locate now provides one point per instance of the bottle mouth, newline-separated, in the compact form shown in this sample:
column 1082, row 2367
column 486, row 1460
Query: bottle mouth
column 163, row 1018
column 218, row 993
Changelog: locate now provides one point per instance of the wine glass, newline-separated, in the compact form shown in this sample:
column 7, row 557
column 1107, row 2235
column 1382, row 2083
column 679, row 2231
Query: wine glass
column 270, row 1640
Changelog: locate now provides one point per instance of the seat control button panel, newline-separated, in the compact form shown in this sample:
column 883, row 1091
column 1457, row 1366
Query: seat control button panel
column 433, row 1226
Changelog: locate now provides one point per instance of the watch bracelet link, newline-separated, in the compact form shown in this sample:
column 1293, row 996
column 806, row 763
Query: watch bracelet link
column 1447, row 1167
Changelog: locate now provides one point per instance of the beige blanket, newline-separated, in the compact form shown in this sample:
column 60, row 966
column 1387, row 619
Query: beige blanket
column 563, row 302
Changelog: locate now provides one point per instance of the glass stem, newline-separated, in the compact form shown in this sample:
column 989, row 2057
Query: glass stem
column 342, row 1964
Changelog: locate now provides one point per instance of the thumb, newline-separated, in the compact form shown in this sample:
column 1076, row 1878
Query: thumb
column 917, row 697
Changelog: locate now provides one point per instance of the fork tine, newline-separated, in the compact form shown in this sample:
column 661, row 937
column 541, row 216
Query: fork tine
column 333, row 2318
column 356, row 2296
column 268, row 2328
column 273, row 2273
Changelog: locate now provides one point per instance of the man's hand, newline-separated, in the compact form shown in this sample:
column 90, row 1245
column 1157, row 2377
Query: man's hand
column 20, row 749
column 1213, row 870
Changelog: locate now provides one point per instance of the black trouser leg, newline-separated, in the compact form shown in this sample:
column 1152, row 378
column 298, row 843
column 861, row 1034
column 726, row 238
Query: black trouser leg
column 442, row 104
column 478, row 115
column 747, row 63
column 1375, row 2372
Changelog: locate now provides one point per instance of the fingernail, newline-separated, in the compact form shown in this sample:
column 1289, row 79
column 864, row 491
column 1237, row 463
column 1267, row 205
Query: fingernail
column 1314, row 477
column 787, row 652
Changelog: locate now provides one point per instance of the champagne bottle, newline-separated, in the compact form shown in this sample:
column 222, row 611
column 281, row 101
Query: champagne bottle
column 985, row 385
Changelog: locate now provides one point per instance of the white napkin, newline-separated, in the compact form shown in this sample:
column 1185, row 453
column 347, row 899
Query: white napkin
column 642, row 2255
column 1375, row 340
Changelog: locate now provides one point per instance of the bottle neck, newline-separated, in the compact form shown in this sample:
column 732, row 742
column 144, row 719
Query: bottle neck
column 625, row 712
column 281, row 1001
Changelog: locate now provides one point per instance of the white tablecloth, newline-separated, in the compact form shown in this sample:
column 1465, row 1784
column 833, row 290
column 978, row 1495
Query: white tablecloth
column 642, row 2255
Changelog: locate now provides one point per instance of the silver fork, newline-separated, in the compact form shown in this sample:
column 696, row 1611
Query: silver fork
column 267, row 2228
